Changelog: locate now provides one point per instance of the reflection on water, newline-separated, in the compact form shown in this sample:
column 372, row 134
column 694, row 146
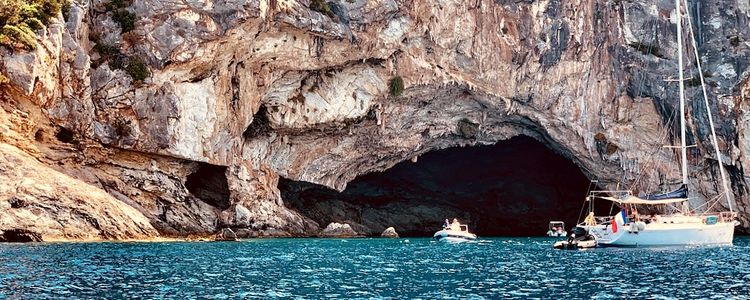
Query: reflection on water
column 370, row 268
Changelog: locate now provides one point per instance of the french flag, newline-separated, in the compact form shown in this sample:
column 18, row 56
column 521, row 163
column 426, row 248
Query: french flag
column 619, row 220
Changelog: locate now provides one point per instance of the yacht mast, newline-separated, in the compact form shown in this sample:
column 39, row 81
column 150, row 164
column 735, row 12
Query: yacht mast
column 683, row 148
column 725, row 184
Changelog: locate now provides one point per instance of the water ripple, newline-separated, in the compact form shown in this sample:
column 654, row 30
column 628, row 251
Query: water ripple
column 518, row 268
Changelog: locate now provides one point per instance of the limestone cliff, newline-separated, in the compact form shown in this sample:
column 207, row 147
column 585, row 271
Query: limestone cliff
column 183, row 120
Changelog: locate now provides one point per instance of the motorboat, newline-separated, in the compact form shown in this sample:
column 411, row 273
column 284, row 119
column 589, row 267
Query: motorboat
column 454, row 232
column 579, row 238
column 556, row 229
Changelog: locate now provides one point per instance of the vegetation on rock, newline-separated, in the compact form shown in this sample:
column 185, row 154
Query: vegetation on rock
column 134, row 66
column 396, row 86
column 604, row 145
column 125, row 18
column 20, row 18
column 322, row 7
column 122, row 127
column 137, row 69
column 467, row 128
column 121, row 15
column 18, row 37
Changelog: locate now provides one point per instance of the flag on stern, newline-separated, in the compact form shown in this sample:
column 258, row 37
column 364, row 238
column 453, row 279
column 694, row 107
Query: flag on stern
column 619, row 220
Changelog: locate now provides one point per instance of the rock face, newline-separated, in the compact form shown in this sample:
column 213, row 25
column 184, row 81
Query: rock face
column 54, row 206
column 389, row 232
column 243, row 92
column 338, row 230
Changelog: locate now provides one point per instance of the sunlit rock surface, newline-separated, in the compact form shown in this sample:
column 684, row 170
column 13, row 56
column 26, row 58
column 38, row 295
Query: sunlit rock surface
column 267, row 89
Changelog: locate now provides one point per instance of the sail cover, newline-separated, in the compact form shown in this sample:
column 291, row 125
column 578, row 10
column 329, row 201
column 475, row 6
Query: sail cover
column 679, row 193
column 636, row 200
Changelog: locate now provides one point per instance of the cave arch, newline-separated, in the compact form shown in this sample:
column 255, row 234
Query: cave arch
column 512, row 188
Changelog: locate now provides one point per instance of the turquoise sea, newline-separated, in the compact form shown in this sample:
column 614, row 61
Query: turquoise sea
column 493, row 268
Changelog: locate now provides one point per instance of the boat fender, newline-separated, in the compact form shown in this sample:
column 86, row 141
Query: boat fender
column 641, row 226
column 633, row 227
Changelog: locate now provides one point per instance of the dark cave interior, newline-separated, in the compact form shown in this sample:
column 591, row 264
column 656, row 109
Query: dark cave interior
column 512, row 188
column 209, row 183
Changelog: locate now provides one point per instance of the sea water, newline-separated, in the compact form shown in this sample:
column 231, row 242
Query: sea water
column 490, row 268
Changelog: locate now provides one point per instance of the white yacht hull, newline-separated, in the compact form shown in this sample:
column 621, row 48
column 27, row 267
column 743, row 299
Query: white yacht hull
column 659, row 234
column 454, row 236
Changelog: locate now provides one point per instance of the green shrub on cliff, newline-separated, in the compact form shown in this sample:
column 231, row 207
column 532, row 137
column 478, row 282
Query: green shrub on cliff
column 137, row 69
column 125, row 18
column 66, row 10
column 120, row 14
column 322, row 7
column 10, row 11
column 396, row 86
column 20, row 18
column 34, row 24
column 18, row 37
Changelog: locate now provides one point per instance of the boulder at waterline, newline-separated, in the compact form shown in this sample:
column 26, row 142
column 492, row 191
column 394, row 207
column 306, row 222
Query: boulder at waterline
column 389, row 232
column 226, row 234
column 338, row 230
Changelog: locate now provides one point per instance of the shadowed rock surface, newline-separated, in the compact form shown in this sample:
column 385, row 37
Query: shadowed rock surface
column 20, row 236
column 513, row 188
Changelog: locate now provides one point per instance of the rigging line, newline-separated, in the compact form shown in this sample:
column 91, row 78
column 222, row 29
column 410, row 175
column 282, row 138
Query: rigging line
column 710, row 118
column 713, row 201
column 588, row 193
column 650, row 47
column 651, row 157
column 662, row 139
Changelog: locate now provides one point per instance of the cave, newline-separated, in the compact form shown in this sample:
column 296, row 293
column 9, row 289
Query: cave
column 512, row 188
column 65, row 135
column 209, row 183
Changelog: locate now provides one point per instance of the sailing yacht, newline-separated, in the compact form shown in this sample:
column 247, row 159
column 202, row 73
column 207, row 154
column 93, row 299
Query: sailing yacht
column 679, row 225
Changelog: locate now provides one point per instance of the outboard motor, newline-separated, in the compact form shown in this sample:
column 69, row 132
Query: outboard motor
column 580, row 233
column 578, row 238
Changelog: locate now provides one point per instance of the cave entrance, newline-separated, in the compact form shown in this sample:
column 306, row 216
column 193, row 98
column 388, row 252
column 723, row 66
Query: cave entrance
column 209, row 183
column 512, row 188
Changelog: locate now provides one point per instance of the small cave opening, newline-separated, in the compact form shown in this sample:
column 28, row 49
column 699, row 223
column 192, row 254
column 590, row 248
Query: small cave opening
column 65, row 135
column 260, row 125
column 513, row 188
column 209, row 183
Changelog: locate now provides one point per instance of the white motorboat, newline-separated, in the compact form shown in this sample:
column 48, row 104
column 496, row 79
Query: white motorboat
column 670, row 220
column 454, row 232
column 556, row 229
